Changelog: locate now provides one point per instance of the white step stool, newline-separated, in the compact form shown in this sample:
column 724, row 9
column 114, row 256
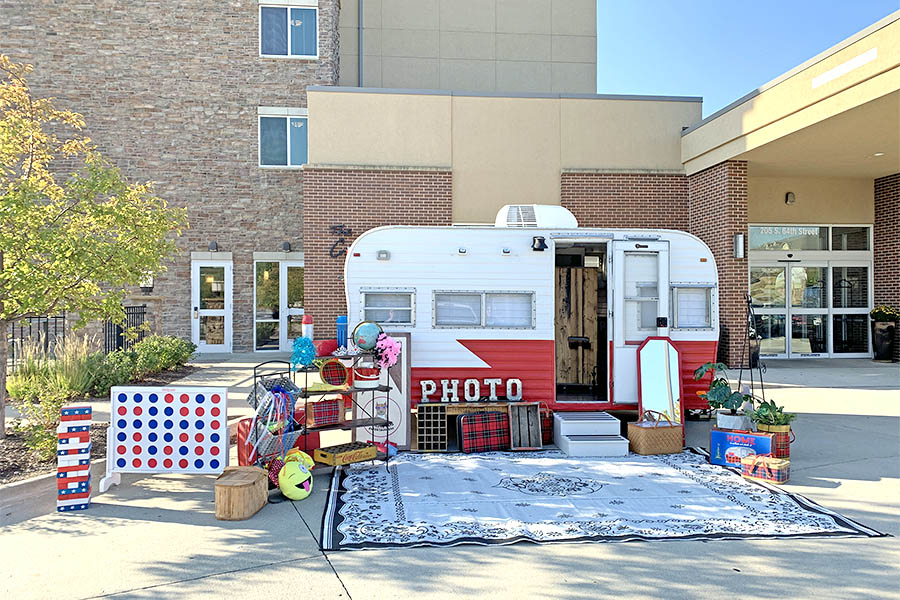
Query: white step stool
column 588, row 434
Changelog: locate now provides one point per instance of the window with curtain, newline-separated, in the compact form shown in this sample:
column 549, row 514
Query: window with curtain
column 484, row 309
column 692, row 307
column 396, row 308
column 283, row 140
column 508, row 310
column 289, row 31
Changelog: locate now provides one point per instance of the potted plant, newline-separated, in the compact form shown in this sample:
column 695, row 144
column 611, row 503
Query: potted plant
column 771, row 418
column 884, row 318
column 729, row 405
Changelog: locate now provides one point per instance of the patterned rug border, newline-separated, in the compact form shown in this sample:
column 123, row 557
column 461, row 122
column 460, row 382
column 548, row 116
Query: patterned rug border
column 331, row 518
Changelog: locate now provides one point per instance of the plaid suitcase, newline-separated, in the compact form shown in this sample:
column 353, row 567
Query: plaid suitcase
column 483, row 432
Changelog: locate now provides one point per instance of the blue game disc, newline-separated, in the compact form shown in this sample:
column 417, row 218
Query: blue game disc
column 168, row 437
column 184, row 424
column 152, row 449
column 152, row 424
column 137, row 424
column 122, row 423
column 153, row 397
column 214, row 437
column 152, row 436
column 198, row 463
column 168, row 424
column 153, row 410
column 123, row 397
column 214, row 464
column 121, row 437
column 183, row 450
column 121, row 462
column 169, row 411
column 199, row 398
column 138, row 397
column 199, row 424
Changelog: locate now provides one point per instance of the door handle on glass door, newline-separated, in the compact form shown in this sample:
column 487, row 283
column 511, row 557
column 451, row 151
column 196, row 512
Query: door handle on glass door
column 196, row 313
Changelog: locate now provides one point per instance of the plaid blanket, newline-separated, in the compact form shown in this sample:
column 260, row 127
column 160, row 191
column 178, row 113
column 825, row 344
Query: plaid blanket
column 482, row 432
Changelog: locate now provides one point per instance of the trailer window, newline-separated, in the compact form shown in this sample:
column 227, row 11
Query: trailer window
column 692, row 307
column 508, row 310
column 396, row 308
column 457, row 310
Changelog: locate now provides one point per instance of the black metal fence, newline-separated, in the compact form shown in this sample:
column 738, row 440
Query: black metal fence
column 114, row 337
column 47, row 332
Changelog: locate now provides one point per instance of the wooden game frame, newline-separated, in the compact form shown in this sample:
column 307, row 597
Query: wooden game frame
column 113, row 471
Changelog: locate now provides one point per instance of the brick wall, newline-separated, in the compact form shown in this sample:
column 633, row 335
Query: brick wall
column 717, row 209
column 886, row 246
column 360, row 200
column 626, row 199
column 170, row 91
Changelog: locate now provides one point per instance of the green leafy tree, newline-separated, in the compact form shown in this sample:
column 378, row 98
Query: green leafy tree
column 73, row 241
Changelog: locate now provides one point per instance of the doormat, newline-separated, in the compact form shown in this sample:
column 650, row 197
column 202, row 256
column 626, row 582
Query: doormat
column 546, row 496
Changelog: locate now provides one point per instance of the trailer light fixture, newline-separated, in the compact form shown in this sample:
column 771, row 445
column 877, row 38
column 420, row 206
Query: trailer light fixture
column 461, row 251
column 506, row 252
column 538, row 244
column 383, row 255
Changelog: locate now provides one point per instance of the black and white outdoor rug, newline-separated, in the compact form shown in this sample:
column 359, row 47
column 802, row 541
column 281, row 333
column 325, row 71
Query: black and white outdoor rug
column 505, row 497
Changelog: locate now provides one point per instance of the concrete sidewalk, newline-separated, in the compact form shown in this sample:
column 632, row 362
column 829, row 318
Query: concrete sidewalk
column 156, row 536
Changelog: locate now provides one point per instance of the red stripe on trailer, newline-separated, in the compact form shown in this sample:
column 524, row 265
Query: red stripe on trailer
column 691, row 355
column 530, row 361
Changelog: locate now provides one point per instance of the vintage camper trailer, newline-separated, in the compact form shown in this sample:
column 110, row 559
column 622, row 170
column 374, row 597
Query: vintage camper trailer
column 536, row 308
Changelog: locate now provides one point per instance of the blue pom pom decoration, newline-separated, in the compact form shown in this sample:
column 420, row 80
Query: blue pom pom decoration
column 304, row 353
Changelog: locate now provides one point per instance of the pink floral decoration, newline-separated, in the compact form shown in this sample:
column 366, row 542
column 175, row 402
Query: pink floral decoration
column 388, row 349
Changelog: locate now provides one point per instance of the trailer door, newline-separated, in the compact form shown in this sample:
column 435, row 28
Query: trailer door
column 639, row 308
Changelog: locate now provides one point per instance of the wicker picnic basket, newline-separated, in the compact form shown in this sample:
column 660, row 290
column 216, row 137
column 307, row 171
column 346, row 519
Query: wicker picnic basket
column 654, row 433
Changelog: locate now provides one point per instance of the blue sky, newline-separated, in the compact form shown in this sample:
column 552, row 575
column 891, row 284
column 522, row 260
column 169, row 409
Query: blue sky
column 718, row 49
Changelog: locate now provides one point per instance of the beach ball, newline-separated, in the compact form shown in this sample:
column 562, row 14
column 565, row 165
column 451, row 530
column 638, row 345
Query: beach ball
column 295, row 480
column 365, row 335
column 299, row 455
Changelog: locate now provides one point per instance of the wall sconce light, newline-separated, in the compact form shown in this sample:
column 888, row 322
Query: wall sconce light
column 538, row 244
column 213, row 247
column 147, row 284
column 790, row 198
column 461, row 251
column 286, row 247
column 739, row 245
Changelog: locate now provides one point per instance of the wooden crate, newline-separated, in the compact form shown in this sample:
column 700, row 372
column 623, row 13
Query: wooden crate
column 525, row 426
column 345, row 454
column 431, row 428
column 240, row 493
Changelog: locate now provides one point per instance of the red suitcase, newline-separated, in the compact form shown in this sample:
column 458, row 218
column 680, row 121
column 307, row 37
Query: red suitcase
column 483, row 432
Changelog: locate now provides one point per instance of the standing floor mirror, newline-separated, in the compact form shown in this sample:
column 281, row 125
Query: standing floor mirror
column 659, row 379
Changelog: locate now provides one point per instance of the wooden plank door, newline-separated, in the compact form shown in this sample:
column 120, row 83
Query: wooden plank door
column 576, row 316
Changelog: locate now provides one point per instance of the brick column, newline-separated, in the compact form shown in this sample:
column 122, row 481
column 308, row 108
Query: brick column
column 717, row 207
column 886, row 245
column 344, row 203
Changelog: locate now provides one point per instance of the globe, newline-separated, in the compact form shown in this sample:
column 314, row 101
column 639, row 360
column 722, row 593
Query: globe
column 365, row 335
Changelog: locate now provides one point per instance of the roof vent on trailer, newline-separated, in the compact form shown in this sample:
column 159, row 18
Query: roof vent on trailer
column 544, row 216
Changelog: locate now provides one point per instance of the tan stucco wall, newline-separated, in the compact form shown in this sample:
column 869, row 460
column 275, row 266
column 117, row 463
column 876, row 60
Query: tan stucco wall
column 473, row 45
column 502, row 150
column 794, row 103
column 379, row 129
column 615, row 134
column 818, row 200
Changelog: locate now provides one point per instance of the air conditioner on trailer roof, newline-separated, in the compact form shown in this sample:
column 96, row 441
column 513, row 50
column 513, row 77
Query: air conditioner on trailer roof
column 543, row 216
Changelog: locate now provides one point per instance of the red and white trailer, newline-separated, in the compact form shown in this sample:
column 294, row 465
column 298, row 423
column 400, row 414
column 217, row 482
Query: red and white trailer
column 535, row 307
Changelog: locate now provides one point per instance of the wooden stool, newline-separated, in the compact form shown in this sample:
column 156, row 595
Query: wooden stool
column 240, row 493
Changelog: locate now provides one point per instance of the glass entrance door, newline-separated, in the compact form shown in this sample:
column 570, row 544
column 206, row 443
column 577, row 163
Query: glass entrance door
column 278, row 306
column 810, row 310
column 292, row 300
column 211, row 298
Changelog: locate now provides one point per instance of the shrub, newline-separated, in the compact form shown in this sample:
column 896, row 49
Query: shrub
column 161, row 353
column 40, row 399
column 116, row 368
column 74, row 366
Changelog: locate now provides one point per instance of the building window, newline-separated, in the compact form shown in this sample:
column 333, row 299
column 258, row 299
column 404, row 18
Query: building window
column 788, row 237
column 283, row 137
column 289, row 31
column 394, row 307
column 692, row 307
column 499, row 310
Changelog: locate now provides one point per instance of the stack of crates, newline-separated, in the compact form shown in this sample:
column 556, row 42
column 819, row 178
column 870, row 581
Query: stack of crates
column 73, row 454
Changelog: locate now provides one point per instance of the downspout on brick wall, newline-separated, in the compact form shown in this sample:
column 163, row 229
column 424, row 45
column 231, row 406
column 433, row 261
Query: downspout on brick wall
column 359, row 43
